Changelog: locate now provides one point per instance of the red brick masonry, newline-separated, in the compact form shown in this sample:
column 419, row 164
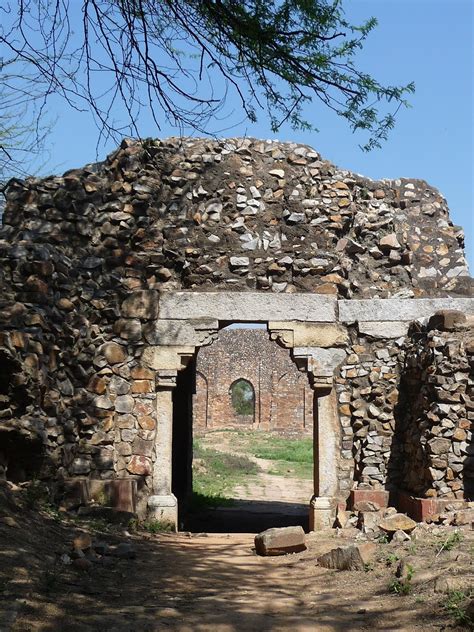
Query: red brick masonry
column 283, row 397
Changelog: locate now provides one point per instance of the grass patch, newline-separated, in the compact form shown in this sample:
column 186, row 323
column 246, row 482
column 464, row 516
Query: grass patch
column 450, row 543
column 276, row 448
column 402, row 585
column 456, row 604
column 215, row 474
column 294, row 469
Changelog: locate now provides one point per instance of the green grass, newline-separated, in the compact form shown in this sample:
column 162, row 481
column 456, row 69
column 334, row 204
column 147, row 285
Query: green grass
column 456, row 604
column 293, row 469
column 280, row 449
column 293, row 457
column 219, row 473
column 451, row 542
column 216, row 473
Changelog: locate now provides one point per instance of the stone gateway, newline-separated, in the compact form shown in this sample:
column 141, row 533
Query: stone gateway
column 113, row 276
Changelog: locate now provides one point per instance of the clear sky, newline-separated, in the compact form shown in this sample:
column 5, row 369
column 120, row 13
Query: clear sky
column 427, row 41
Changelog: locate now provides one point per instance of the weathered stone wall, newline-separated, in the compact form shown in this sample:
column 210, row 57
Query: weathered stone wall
column 86, row 259
column 368, row 393
column 283, row 397
column 437, row 420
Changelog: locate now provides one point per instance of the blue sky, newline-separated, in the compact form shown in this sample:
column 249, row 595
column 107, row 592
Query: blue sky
column 426, row 41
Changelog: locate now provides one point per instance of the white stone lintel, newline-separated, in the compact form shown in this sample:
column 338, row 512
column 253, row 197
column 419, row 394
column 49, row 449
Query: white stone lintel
column 402, row 310
column 247, row 306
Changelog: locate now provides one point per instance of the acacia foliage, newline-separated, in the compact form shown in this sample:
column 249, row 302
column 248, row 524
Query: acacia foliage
column 196, row 61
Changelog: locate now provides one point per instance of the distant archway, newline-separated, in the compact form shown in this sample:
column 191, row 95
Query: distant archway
column 242, row 395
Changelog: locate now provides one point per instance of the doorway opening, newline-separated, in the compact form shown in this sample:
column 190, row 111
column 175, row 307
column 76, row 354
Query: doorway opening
column 243, row 425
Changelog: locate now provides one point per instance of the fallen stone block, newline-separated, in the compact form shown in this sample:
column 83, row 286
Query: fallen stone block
column 400, row 536
column 397, row 522
column 280, row 541
column 464, row 517
column 368, row 521
column 342, row 518
column 349, row 558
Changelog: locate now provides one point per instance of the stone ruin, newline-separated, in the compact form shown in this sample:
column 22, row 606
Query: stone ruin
column 114, row 275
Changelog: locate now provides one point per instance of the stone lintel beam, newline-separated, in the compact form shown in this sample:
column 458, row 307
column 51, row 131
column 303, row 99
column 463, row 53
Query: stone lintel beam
column 401, row 310
column 294, row 334
column 247, row 306
column 384, row 329
column 192, row 333
column 163, row 358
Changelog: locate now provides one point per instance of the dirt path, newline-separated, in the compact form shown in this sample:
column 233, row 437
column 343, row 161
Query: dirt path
column 265, row 486
column 263, row 500
column 217, row 584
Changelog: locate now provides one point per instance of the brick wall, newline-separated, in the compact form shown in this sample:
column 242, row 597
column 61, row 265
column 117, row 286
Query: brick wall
column 283, row 397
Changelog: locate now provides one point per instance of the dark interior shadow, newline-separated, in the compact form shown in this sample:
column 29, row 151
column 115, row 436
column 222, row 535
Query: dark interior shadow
column 248, row 516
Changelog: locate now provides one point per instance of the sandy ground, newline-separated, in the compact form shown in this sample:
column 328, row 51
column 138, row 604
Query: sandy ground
column 215, row 583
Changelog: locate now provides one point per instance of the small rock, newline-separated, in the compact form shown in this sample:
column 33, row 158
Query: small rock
column 82, row 563
column 277, row 173
column 342, row 518
column 349, row 558
column 463, row 517
column 366, row 505
column 82, row 542
column 400, row 536
column 368, row 521
column 280, row 541
column 397, row 522
column 389, row 242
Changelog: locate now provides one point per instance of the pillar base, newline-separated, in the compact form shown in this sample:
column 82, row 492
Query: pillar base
column 164, row 509
column 322, row 513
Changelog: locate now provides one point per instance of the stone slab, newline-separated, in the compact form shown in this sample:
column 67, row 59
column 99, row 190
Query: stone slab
column 280, row 541
column 247, row 306
column 179, row 332
column 384, row 329
column 404, row 310
column 349, row 558
column 295, row 334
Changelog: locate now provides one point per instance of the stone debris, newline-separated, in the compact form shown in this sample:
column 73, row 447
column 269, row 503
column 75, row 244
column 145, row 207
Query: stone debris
column 354, row 557
column 397, row 522
column 280, row 541
column 86, row 552
column 400, row 536
column 82, row 542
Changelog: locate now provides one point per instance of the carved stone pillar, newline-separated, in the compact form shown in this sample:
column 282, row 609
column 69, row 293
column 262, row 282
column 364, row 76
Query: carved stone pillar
column 171, row 345
column 162, row 505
